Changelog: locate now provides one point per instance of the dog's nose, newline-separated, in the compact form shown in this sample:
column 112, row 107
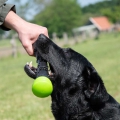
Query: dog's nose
column 42, row 37
column 42, row 43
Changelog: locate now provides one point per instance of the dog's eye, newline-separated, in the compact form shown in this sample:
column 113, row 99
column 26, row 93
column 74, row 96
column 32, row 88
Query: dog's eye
column 73, row 90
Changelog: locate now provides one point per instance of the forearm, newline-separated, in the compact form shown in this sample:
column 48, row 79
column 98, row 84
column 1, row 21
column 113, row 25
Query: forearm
column 13, row 21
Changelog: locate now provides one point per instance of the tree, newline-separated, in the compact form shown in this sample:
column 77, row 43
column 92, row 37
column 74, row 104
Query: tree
column 60, row 16
column 112, row 12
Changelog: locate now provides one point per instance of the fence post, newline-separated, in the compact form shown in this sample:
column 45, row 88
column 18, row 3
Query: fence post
column 14, row 46
column 65, row 38
column 54, row 36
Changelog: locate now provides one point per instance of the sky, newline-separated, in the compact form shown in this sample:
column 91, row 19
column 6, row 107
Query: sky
column 82, row 2
column 87, row 2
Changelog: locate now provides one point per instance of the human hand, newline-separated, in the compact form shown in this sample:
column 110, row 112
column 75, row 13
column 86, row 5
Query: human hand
column 27, row 32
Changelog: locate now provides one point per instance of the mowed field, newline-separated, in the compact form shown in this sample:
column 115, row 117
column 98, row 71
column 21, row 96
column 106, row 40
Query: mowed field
column 17, row 101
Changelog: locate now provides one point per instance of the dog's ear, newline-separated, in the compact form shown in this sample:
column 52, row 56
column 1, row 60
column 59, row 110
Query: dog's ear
column 95, row 90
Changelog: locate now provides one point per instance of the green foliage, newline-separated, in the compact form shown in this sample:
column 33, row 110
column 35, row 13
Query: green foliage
column 95, row 8
column 60, row 16
column 113, row 14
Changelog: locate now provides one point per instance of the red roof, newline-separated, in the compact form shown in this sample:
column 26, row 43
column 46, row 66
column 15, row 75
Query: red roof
column 101, row 22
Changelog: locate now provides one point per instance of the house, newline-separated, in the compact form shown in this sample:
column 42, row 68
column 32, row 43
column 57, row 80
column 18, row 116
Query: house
column 94, row 26
column 101, row 23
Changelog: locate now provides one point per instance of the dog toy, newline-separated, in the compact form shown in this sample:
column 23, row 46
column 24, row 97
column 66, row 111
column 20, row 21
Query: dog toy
column 42, row 86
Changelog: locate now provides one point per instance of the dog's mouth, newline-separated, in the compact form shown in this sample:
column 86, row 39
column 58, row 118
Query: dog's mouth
column 31, row 71
column 45, row 47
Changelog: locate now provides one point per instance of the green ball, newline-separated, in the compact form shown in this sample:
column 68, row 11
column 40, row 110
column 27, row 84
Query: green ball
column 42, row 87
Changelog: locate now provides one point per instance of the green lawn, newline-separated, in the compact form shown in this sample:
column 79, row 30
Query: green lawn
column 16, row 99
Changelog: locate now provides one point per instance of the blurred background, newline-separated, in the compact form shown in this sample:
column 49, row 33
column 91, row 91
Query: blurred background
column 91, row 27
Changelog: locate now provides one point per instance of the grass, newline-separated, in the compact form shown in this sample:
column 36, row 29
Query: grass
column 16, row 99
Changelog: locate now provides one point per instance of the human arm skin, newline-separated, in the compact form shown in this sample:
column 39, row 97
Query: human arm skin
column 27, row 32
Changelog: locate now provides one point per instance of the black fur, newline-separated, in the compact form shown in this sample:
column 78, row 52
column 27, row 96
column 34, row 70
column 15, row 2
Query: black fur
column 79, row 92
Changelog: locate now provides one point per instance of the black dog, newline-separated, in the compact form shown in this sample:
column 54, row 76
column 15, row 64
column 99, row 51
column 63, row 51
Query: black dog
column 79, row 92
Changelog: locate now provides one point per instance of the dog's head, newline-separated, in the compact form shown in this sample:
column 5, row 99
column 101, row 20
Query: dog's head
column 77, row 87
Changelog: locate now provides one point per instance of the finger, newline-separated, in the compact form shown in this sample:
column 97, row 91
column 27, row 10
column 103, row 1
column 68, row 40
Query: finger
column 29, row 49
column 47, row 35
